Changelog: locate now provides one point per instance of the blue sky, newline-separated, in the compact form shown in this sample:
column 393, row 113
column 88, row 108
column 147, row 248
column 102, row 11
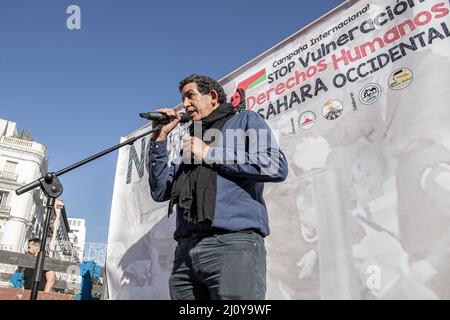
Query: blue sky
column 79, row 91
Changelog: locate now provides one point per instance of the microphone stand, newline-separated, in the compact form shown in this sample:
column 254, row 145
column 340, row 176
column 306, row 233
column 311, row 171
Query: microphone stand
column 52, row 188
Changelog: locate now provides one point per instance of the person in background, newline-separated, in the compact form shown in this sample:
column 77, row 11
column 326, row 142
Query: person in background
column 47, row 280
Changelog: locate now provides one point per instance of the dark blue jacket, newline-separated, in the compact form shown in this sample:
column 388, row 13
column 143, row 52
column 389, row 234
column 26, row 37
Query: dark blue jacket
column 243, row 165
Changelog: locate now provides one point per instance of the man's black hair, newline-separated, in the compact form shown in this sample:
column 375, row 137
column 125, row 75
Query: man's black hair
column 204, row 84
column 36, row 241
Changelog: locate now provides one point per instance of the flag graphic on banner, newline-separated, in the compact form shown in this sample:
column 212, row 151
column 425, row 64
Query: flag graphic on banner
column 254, row 80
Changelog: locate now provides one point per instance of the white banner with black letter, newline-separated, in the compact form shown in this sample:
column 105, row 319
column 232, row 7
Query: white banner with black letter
column 358, row 100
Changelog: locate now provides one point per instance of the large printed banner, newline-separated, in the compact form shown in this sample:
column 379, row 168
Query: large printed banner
column 359, row 102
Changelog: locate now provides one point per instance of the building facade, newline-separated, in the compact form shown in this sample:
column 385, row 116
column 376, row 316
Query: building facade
column 21, row 161
column 78, row 235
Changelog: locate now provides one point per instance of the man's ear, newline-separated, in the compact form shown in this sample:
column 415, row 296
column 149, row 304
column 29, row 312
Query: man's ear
column 214, row 97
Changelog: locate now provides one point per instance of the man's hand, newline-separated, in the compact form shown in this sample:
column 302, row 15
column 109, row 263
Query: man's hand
column 167, row 128
column 194, row 147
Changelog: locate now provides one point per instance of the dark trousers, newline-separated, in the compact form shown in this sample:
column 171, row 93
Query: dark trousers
column 220, row 267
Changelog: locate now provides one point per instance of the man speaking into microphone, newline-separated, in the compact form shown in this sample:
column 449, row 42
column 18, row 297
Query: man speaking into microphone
column 217, row 188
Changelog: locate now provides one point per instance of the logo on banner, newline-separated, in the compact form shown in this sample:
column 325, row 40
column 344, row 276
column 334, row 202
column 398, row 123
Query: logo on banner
column 307, row 120
column 370, row 93
column 400, row 79
column 332, row 109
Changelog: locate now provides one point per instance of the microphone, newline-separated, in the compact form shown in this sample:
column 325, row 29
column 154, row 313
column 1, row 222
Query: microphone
column 162, row 118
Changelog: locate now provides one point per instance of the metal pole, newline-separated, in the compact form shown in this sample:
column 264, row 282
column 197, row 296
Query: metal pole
column 36, row 183
column 52, row 188
column 41, row 255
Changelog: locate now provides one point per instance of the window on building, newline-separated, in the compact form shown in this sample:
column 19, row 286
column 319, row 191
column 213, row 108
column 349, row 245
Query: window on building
column 3, row 198
column 10, row 166
column 9, row 170
column 33, row 223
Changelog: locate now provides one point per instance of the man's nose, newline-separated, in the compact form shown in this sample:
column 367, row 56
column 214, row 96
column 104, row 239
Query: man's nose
column 186, row 102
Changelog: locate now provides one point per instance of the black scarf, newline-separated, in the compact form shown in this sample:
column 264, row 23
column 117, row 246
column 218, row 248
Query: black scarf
column 194, row 188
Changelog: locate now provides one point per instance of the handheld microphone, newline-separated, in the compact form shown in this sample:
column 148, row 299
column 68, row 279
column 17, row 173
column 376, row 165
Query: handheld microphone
column 162, row 118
